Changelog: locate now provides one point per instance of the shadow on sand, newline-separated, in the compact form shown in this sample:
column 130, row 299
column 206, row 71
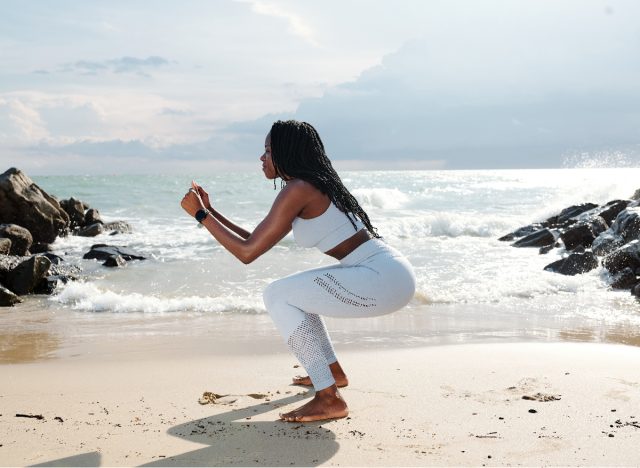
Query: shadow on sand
column 232, row 438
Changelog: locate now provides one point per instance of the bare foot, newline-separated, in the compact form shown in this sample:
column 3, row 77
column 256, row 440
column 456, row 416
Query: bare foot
column 336, row 370
column 326, row 404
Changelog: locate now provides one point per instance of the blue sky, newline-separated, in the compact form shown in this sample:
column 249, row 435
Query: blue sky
column 185, row 86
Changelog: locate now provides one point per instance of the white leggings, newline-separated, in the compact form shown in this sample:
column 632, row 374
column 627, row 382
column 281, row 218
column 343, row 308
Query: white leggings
column 374, row 279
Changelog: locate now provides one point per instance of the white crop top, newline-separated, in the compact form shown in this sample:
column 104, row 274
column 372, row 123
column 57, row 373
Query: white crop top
column 325, row 231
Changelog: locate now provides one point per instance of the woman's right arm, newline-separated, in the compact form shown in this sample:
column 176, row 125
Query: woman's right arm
column 216, row 214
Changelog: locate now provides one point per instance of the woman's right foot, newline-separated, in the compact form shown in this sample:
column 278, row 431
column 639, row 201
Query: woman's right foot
column 337, row 372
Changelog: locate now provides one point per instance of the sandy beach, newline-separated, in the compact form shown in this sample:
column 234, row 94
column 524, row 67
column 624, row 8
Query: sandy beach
column 471, row 404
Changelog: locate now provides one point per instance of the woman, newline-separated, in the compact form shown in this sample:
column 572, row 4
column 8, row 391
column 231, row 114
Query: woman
column 370, row 279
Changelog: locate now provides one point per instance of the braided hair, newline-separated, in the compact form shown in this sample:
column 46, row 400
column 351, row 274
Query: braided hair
column 297, row 152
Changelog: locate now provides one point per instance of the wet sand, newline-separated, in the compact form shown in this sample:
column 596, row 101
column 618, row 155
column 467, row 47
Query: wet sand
column 470, row 404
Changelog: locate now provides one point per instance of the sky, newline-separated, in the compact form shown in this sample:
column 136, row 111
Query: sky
column 105, row 87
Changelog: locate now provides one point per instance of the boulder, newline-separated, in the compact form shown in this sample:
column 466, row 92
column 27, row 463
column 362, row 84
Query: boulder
column 636, row 290
column 23, row 203
column 624, row 279
column 574, row 264
column 5, row 246
column 606, row 243
column 20, row 237
column 24, row 278
column 636, row 195
column 91, row 230
column 7, row 298
column 583, row 233
column 115, row 261
column 75, row 209
column 627, row 256
column 118, row 227
column 627, row 224
column 573, row 211
column 613, row 209
column 50, row 283
column 103, row 252
column 540, row 238
column 92, row 216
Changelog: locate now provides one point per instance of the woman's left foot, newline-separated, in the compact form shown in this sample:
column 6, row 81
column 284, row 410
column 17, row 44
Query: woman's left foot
column 326, row 404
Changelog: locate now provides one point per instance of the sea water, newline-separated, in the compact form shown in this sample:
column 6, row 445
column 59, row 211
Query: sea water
column 470, row 286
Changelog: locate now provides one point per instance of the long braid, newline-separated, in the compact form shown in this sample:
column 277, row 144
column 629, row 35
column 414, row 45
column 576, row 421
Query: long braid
column 297, row 151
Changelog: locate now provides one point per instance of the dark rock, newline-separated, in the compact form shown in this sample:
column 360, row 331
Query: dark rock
column 55, row 259
column 49, row 284
column 75, row 209
column 40, row 247
column 583, row 233
column 5, row 246
column 624, row 279
column 118, row 227
column 613, row 209
column 574, row 264
column 91, row 230
column 636, row 290
column 7, row 298
column 627, row 256
column 606, row 243
column 573, row 211
column 25, row 277
column 103, row 252
column 627, row 224
column 23, row 203
column 92, row 216
column 540, row 238
column 115, row 261
column 21, row 239
column 520, row 232
column 546, row 249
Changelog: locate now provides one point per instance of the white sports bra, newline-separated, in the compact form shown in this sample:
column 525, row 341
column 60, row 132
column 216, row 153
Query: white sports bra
column 325, row 231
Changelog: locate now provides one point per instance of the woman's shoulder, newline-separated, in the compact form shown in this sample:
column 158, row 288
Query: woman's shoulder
column 301, row 187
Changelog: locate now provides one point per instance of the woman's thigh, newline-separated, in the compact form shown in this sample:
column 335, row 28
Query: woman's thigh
column 341, row 291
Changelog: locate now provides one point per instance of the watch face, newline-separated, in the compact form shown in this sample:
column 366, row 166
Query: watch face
column 200, row 215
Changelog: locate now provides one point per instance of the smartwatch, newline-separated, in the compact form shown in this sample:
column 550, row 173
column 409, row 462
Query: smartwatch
column 201, row 215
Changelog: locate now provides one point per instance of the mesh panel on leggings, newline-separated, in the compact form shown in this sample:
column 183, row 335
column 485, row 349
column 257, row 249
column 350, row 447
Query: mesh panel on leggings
column 305, row 344
column 320, row 330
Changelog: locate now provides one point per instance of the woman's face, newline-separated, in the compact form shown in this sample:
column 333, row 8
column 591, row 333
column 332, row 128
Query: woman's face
column 267, row 163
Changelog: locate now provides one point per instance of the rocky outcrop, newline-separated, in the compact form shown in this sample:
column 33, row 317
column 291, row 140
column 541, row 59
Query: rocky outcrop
column 20, row 238
column 75, row 209
column 590, row 236
column 7, row 298
column 25, row 277
column 23, row 203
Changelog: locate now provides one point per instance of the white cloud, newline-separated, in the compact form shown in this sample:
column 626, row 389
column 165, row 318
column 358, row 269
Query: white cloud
column 297, row 25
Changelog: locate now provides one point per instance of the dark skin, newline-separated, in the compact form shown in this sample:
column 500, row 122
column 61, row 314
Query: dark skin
column 297, row 199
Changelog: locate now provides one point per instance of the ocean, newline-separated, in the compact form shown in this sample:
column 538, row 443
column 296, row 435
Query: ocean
column 470, row 286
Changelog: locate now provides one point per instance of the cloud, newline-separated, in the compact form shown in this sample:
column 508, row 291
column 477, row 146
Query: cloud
column 297, row 26
column 119, row 65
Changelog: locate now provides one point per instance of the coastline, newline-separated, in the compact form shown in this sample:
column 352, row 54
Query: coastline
column 439, row 405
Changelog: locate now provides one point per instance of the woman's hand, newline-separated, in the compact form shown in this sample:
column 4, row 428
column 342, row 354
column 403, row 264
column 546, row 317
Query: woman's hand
column 204, row 196
column 191, row 202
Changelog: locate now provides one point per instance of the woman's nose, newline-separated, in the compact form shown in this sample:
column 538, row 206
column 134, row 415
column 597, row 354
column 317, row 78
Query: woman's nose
column 263, row 158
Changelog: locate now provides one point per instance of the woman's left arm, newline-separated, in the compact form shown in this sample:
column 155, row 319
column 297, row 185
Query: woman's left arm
column 268, row 233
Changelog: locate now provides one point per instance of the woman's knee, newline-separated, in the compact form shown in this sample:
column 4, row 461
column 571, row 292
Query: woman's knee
column 272, row 294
